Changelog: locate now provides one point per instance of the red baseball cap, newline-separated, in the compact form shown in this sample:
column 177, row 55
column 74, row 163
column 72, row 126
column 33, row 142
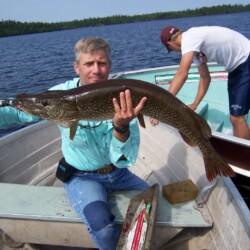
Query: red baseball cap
column 166, row 34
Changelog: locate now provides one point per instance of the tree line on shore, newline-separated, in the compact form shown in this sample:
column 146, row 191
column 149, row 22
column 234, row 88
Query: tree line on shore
column 13, row 28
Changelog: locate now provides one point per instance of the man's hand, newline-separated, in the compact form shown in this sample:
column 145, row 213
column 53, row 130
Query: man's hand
column 125, row 112
column 193, row 106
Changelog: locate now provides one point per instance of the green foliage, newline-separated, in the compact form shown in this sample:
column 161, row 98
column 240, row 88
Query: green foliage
column 13, row 28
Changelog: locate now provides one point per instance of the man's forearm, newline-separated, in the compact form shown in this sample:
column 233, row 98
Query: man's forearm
column 178, row 82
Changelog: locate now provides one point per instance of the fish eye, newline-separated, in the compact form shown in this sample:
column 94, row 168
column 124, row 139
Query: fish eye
column 45, row 103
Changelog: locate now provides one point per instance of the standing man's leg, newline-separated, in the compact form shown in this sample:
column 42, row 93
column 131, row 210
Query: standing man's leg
column 239, row 99
column 240, row 127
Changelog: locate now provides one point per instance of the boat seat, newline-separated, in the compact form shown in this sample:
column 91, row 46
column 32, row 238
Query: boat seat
column 43, row 215
column 201, row 110
column 217, row 126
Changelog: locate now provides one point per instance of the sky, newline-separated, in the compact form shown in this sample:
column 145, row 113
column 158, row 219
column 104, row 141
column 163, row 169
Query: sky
column 69, row 10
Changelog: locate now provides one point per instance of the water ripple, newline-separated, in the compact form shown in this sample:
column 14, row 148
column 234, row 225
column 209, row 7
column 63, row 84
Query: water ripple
column 33, row 63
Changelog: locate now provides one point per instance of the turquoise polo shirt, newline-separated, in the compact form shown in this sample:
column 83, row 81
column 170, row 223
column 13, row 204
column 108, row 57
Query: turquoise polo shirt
column 93, row 145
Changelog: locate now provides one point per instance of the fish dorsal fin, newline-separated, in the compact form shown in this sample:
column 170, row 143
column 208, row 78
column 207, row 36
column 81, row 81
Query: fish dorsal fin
column 141, row 120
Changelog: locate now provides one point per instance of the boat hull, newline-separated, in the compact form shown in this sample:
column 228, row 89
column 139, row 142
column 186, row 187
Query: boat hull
column 163, row 158
column 233, row 150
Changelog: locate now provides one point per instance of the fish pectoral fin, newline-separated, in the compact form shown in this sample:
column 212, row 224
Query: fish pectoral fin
column 73, row 129
column 141, row 120
column 187, row 140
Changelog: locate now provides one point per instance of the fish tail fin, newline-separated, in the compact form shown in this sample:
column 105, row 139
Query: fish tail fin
column 214, row 166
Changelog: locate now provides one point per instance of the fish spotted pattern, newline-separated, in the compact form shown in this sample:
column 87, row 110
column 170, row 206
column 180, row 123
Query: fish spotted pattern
column 94, row 102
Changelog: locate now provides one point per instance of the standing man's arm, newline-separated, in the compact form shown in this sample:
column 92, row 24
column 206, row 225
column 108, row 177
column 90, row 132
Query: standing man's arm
column 182, row 73
column 179, row 78
column 203, row 85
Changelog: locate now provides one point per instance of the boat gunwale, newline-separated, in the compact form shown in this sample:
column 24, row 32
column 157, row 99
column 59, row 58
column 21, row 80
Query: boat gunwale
column 123, row 73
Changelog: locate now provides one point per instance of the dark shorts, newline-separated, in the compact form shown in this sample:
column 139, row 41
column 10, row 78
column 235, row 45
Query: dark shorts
column 239, row 89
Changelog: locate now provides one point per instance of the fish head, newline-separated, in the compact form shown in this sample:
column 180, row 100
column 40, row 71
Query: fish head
column 49, row 105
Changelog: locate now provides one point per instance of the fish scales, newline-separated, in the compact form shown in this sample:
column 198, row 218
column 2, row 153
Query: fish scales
column 94, row 102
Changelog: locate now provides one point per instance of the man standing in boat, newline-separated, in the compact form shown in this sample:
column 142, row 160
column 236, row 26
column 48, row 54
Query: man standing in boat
column 224, row 46
column 96, row 161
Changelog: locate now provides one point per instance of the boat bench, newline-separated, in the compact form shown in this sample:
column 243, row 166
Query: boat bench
column 43, row 215
column 201, row 110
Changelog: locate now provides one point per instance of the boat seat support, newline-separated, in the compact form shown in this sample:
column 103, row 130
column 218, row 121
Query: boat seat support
column 205, row 192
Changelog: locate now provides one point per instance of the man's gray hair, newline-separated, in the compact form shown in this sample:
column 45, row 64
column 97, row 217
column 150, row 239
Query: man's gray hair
column 91, row 45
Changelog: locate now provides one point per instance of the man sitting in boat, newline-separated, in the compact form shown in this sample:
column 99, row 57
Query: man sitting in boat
column 214, row 44
column 100, row 153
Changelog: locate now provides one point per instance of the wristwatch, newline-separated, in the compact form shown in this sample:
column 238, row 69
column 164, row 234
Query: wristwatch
column 121, row 129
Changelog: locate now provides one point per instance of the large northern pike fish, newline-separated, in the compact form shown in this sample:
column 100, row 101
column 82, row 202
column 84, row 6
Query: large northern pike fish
column 94, row 102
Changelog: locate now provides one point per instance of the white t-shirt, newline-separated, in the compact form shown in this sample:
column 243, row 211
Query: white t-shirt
column 222, row 45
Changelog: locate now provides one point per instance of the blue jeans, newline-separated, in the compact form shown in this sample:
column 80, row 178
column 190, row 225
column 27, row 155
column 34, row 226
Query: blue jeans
column 88, row 195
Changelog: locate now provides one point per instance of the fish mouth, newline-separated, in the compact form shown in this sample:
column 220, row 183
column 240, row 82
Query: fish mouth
column 28, row 105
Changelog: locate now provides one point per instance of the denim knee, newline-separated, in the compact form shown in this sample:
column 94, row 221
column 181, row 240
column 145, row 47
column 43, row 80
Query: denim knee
column 98, row 215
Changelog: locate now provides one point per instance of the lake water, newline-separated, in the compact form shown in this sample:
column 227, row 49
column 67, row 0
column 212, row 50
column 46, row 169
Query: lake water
column 33, row 63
